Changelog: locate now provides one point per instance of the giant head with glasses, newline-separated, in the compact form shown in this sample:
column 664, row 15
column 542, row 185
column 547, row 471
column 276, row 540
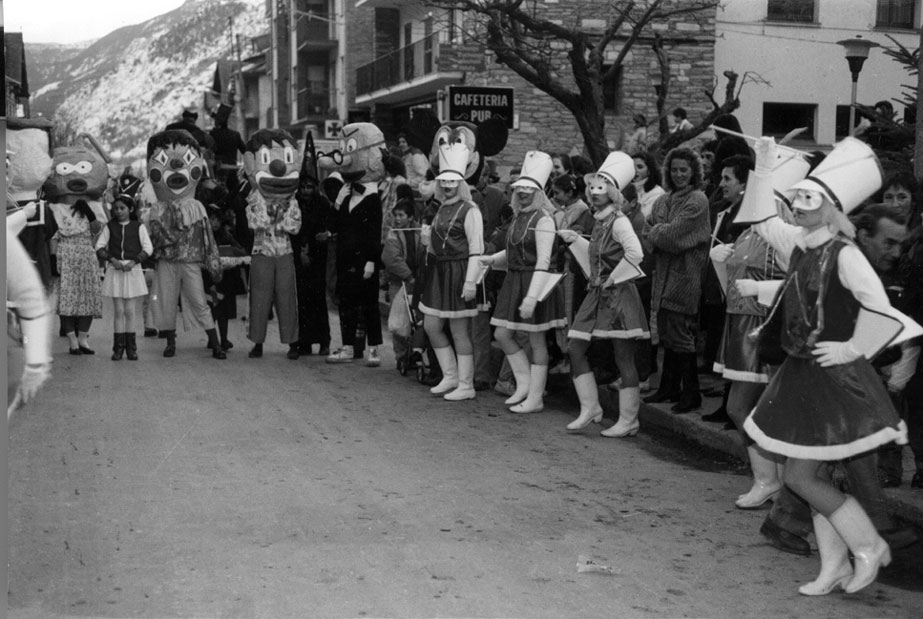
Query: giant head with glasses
column 359, row 157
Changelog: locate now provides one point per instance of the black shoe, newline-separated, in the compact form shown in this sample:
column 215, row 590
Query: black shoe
column 888, row 481
column 150, row 333
column 256, row 352
column 784, row 540
column 481, row 385
column 227, row 344
column 900, row 537
column 917, row 481
column 218, row 353
column 75, row 351
column 293, row 353
column 659, row 396
column 686, row 405
column 323, row 351
column 86, row 350
column 170, row 350
column 719, row 416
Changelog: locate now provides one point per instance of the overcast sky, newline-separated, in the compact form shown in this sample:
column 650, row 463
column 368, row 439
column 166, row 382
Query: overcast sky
column 71, row 21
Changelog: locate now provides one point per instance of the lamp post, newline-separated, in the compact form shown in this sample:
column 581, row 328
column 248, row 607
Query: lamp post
column 857, row 50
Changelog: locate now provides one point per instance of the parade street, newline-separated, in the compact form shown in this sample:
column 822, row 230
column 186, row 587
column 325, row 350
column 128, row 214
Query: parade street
column 193, row 487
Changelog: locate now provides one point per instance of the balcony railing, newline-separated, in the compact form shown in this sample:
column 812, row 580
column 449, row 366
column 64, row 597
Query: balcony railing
column 403, row 65
column 314, row 30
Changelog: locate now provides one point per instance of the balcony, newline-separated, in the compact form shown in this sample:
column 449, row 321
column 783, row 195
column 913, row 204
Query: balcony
column 417, row 69
column 316, row 33
column 313, row 102
column 387, row 4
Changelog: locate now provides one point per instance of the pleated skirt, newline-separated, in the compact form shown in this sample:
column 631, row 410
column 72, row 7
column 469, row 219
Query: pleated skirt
column 549, row 314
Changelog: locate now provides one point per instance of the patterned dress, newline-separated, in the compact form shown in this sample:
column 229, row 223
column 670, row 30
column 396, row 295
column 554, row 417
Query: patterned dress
column 449, row 252
column 79, row 290
column 753, row 258
column 615, row 312
column 813, row 412
column 522, row 258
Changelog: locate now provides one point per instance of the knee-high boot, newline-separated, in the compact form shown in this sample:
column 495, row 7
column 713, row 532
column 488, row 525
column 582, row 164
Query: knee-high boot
column 766, row 484
column 588, row 394
column 446, row 358
column 869, row 550
column 629, row 406
column 465, row 389
column 668, row 389
column 535, row 402
column 519, row 363
column 835, row 569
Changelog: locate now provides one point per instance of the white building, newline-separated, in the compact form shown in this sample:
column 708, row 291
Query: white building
column 792, row 44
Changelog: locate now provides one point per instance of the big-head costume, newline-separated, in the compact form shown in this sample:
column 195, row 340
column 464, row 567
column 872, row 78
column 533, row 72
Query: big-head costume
column 183, row 240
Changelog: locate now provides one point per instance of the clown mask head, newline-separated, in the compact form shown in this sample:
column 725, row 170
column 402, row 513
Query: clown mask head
column 175, row 165
column 272, row 163
column 76, row 173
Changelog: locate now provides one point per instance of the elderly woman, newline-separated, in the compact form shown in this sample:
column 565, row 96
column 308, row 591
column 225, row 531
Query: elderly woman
column 677, row 234
column 826, row 402
column 612, row 308
column 455, row 242
column 527, row 254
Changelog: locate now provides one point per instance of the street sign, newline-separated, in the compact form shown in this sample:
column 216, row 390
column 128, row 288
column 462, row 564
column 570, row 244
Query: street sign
column 475, row 104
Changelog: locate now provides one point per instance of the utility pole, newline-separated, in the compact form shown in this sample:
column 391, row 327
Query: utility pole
column 918, row 126
column 236, row 87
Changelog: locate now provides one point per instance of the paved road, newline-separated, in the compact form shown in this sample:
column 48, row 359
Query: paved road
column 273, row 488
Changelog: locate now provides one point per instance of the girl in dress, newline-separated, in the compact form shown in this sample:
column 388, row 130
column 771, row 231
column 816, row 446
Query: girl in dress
column 455, row 242
column 529, row 248
column 826, row 401
column 124, row 243
column 612, row 309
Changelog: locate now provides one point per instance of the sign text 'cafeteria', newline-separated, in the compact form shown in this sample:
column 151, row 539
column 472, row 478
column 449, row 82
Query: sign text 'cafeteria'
column 476, row 104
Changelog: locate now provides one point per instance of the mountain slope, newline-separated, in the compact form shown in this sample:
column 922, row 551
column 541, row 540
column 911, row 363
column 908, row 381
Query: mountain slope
column 129, row 84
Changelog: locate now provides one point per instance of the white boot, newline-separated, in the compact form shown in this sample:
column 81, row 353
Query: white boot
column 446, row 358
column 629, row 405
column 465, row 389
column 766, row 484
column 519, row 363
column 534, row 403
column 868, row 549
column 590, row 410
column 835, row 568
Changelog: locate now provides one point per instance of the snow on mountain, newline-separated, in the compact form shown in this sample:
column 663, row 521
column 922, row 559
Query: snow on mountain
column 131, row 83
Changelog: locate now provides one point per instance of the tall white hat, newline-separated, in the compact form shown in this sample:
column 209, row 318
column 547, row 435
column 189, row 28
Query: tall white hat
column 618, row 168
column 849, row 175
column 536, row 168
column 453, row 161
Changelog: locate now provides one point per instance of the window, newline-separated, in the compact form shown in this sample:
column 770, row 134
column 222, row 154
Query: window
column 780, row 118
column 612, row 92
column 801, row 11
column 895, row 14
column 842, row 121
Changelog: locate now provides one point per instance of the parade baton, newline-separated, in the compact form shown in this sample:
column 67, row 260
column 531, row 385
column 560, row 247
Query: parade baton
column 752, row 141
column 405, row 229
column 586, row 236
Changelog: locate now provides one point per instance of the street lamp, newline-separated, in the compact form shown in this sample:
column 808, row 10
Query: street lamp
column 857, row 50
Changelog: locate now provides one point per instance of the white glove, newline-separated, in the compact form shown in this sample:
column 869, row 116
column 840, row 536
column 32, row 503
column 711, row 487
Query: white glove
column 765, row 149
column 527, row 307
column 568, row 236
column 29, row 209
column 747, row 287
column 426, row 235
column 721, row 252
column 487, row 259
column 469, row 290
column 835, row 353
column 33, row 377
column 369, row 270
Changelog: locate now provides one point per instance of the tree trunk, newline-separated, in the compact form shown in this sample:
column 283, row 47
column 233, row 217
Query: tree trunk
column 592, row 124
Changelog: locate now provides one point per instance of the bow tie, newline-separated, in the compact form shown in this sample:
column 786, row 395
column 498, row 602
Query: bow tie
column 358, row 188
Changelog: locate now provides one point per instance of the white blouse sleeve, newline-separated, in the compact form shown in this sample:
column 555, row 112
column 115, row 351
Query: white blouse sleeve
column 146, row 243
column 781, row 236
column 103, row 240
column 624, row 233
column 474, row 231
column 858, row 276
column 544, row 242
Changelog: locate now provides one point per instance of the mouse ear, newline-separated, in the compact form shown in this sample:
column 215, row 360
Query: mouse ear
column 422, row 129
column 492, row 136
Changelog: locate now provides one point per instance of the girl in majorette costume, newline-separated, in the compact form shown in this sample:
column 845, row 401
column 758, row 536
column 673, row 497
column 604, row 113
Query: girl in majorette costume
column 743, row 263
column 455, row 242
column 529, row 248
column 124, row 244
column 612, row 309
column 826, row 402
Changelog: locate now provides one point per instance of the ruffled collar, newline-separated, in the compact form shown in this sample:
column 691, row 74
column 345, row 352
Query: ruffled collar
column 814, row 238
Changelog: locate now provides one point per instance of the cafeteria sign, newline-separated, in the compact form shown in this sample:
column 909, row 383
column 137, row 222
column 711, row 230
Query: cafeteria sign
column 476, row 104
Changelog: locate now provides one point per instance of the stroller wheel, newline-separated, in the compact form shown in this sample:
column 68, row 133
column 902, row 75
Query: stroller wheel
column 421, row 374
column 402, row 367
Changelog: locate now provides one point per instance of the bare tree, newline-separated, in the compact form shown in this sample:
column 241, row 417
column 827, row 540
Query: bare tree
column 535, row 48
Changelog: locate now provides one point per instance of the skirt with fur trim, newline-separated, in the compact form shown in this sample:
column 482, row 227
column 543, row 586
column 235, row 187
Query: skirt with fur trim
column 549, row 314
column 738, row 357
column 814, row 413
column 609, row 314
column 442, row 295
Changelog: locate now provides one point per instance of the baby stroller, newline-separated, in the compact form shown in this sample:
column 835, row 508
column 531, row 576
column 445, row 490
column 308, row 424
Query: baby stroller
column 419, row 356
